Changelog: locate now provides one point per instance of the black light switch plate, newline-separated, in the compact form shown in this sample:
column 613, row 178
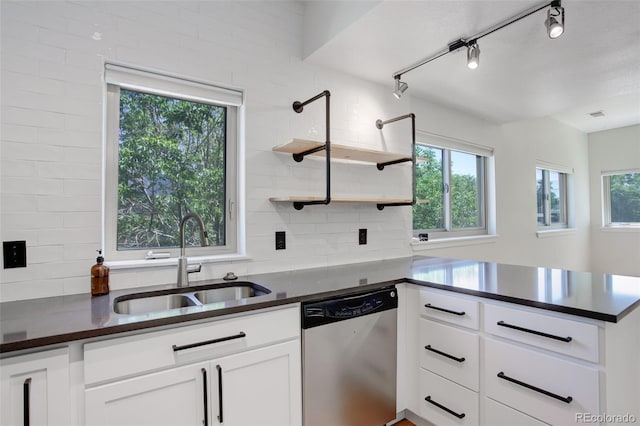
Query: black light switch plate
column 281, row 241
column 14, row 254
column 362, row 236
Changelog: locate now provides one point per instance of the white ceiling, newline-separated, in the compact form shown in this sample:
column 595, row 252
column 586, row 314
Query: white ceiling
column 594, row 65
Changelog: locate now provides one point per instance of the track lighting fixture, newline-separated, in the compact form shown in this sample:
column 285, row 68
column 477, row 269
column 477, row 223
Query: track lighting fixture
column 555, row 20
column 473, row 55
column 554, row 24
column 400, row 88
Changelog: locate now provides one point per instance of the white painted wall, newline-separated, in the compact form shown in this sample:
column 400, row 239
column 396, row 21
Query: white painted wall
column 517, row 147
column 52, row 100
column 613, row 250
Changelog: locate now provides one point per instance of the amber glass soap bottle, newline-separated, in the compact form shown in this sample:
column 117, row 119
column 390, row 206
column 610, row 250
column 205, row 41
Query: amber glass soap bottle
column 99, row 276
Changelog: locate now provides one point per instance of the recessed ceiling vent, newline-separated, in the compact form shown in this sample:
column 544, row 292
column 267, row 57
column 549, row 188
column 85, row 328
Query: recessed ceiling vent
column 596, row 114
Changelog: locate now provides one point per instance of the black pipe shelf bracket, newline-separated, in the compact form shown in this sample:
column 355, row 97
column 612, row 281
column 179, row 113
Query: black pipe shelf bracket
column 380, row 124
column 298, row 157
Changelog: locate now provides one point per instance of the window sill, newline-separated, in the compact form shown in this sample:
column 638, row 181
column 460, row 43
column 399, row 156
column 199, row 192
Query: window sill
column 453, row 242
column 560, row 232
column 155, row 263
column 630, row 228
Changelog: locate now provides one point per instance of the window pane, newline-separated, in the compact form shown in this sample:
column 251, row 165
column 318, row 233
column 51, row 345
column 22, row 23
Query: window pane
column 171, row 162
column 429, row 186
column 555, row 198
column 540, row 195
column 466, row 208
column 625, row 198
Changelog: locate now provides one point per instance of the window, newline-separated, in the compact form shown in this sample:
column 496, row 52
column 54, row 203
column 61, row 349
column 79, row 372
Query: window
column 171, row 149
column 551, row 190
column 451, row 188
column 622, row 198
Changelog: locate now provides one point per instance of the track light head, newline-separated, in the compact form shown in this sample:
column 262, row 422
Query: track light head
column 555, row 20
column 400, row 88
column 473, row 55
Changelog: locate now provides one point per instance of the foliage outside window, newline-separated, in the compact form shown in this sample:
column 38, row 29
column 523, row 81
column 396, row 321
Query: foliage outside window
column 170, row 155
column 622, row 199
column 451, row 192
column 551, row 190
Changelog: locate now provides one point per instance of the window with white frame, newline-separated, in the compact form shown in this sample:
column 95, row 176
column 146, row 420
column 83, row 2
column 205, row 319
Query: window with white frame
column 551, row 194
column 451, row 187
column 621, row 198
column 171, row 149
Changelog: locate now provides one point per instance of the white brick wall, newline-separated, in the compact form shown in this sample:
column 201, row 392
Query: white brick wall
column 51, row 143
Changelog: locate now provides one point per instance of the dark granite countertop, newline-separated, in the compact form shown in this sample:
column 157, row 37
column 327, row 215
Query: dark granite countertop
column 48, row 321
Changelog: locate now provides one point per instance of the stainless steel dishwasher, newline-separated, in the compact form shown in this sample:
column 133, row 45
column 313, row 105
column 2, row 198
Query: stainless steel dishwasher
column 349, row 359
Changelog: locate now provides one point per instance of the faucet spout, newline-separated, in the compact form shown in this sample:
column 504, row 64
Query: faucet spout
column 183, row 262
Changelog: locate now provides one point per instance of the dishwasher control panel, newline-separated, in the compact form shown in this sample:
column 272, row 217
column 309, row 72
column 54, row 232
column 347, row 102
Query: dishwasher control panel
column 348, row 306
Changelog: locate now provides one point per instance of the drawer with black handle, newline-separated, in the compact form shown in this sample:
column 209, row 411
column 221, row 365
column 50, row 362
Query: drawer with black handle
column 546, row 387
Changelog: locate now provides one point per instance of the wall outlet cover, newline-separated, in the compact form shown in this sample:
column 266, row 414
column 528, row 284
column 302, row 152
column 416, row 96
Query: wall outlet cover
column 14, row 254
column 362, row 236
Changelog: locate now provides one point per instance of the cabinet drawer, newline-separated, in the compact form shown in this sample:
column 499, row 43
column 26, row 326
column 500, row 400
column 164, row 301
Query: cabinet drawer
column 110, row 359
column 543, row 381
column 450, row 352
column 452, row 309
column 496, row 414
column 450, row 404
column 561, row 335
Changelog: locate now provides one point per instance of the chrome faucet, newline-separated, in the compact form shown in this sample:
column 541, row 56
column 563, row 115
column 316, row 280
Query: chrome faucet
column 183, row 263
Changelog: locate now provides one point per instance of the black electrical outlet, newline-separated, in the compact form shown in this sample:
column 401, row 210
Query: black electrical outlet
column 362, row 236
column 281, row 240
column 14, row 254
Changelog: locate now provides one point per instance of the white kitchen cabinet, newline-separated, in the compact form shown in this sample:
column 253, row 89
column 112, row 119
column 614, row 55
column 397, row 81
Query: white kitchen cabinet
column 546, row 387
column 238, row 371
column 167, row 398
column 522, row 365
column 35, row 389
column 259, row 387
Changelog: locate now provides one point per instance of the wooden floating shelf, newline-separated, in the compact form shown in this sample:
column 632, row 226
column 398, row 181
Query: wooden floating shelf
column 339, row 200
column 342, row 152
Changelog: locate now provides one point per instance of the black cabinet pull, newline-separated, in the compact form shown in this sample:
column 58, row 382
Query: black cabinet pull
column 430, row 306
column 455, row 358
column 177, row 348
column 442, row 407
column 566, row 400
column 26, row 394
column 220, row 418
column 536, row 332
column 206, row 397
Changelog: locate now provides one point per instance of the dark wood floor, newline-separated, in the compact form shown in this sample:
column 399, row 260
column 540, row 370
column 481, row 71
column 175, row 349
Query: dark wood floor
column 404, row 422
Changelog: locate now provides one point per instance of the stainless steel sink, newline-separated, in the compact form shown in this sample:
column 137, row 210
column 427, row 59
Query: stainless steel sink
column 236, row 292
column 164, row 300
column 145, row 305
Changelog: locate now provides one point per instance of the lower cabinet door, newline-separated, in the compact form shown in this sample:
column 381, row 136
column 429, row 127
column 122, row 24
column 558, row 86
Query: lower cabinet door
column 178, row 396
column 443, row 402
column 35, row 389
column 259, row 387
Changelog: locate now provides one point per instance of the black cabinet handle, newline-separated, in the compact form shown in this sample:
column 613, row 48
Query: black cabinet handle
column 26, row 394
column 177, row 348
column 566, row 400
column 205, row 397
column 442, row 407
column 536, row 332
column 455, row 358
column 220, row 418
column 430, row 306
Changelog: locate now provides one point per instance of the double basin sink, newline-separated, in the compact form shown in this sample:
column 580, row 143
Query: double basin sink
column 176, row 298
